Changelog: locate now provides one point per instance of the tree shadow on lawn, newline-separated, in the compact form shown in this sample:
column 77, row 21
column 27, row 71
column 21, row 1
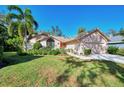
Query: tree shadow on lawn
column 104, row 66
column 87, row 76
column 72, row 64
column 115, row 69
column 16, row 59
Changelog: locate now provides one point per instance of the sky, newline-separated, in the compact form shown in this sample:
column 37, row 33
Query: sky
column 71, row 17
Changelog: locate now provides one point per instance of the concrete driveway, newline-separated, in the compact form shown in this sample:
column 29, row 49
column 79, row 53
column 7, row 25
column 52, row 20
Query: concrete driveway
column 108, row 57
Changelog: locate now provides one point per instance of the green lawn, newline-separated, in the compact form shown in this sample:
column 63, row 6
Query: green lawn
column 59, row 71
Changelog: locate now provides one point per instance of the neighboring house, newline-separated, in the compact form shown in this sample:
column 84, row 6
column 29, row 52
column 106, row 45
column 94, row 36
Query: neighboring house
column 117, row 41
column 94, row 40
column 47, row 40
column 41, row 37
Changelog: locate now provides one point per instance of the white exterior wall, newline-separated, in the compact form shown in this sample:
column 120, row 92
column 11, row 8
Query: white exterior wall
column 57, row 44
column 33, row 40
column 99, row 47
column 88, row 42
column 43, row 43
column 70, row 46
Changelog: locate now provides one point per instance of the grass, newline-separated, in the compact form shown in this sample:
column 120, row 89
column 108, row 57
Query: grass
column 36, row 71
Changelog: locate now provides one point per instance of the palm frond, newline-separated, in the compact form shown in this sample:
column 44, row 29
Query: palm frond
column 29, row 27
column 15, row 7
column 31, row 19
column 12, row 28
column 21, row 30
column 35, row 24
column 27, row 11
column 11, row 16
column 3, row 27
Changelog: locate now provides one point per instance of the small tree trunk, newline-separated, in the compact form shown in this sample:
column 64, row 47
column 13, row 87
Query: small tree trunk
column 25, row 44
column 25, row 39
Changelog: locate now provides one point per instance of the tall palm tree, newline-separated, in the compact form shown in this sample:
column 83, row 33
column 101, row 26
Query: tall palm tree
column 3, row 30
column 3, row 35
column 20, row 23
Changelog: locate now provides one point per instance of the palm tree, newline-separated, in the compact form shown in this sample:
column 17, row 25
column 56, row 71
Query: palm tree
column 81, row 30
column 20, row 23
column 56, row 31
column 3, row 35
column 3, row 30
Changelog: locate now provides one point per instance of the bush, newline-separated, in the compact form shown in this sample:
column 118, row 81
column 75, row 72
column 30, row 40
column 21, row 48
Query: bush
column 54, row 52
column 34, row 52
column 120, row 51
column 20, row 52
column 62, row 51
column 112, row 50
column 37, row 45
column 45, row 51
column 87, row 51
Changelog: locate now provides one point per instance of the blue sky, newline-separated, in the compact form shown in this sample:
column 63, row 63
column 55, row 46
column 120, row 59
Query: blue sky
column 70, row 18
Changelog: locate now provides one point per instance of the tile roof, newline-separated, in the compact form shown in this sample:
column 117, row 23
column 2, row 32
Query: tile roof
column 84, row 35
column 40, row 37
column 44, row 36
column 60, row 38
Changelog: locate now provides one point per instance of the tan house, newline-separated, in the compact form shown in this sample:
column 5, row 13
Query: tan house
column 95, row 40
column 47, row 40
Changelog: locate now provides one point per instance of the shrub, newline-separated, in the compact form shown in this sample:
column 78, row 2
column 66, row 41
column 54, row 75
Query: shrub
column 54, row 52
column 20, row 52
column 87, row 51
column 34, row 52
column 62, row 51
column 112, row 50
column 120, row 51
column 43, row 51
column 37, row 45
column 46, row 51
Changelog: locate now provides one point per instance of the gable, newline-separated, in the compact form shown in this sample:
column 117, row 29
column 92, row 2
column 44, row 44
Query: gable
column 94, row 38
column 96, row 33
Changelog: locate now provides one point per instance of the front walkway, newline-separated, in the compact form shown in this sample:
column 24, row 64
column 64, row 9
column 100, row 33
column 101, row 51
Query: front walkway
column 108, row 57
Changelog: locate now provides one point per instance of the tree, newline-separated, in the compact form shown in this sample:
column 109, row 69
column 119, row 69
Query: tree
column 56, row 31
column 37, row 45
column 20, row 23
column 112, row 32
column 81, row 30
column 2, row 35
column 14, row 42
column 121, row 32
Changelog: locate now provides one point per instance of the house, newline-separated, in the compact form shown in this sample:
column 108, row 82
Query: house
column 95, row 40
column 117, row 41
column 48, row 40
